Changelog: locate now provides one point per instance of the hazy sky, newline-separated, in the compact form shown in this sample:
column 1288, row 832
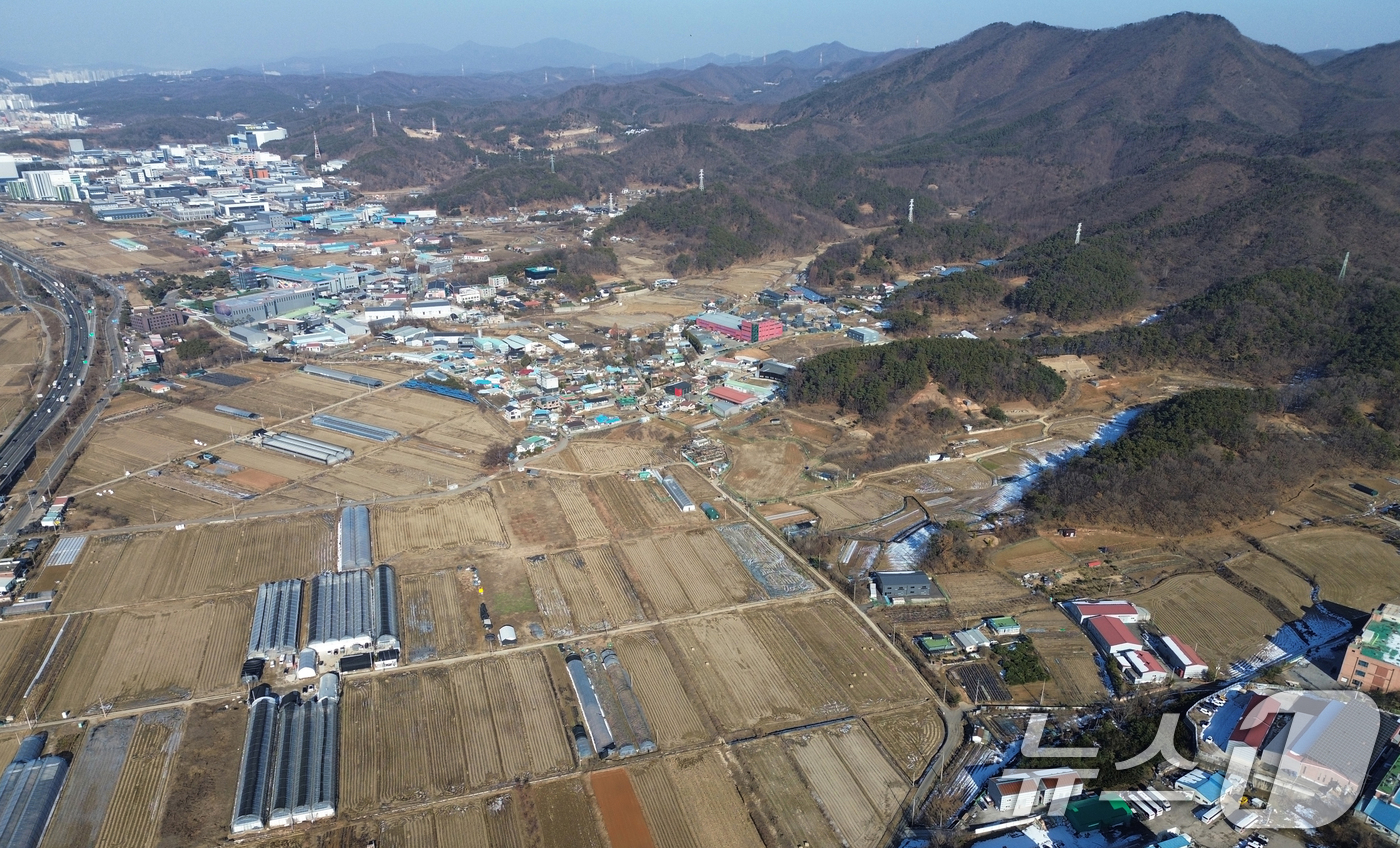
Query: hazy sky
column 201, row 33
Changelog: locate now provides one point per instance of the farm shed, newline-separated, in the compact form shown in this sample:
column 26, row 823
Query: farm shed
column 350, row 427
column 901, row 586
column 250, row 802
column 342, row 376
column 235, row 412
column 932, row 644
column 971, row 639
column 597, row 725
column 353, row 538
column 1004, row 626
column 673, row 488
column 302, row 447
column 276, row 619
column 28, row 791
column 1142, row 668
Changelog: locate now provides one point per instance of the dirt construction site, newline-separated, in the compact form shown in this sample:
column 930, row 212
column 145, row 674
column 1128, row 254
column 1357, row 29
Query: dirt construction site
column 732, row 677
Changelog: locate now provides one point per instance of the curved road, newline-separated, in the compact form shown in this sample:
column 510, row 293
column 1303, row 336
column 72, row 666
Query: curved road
column 79, row 340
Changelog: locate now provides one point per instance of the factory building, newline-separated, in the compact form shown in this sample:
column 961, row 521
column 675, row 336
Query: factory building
column 743, row 329
column 29, row 788
column 353, row 538
column 276, row 620
column 302, row 447
column 593, row 719
column 148, row 320
column 263, row 305
column 350, row 427
column 353, row 611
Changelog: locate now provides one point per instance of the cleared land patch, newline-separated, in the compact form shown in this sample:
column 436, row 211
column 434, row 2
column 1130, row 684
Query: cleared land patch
column 1221, row 622
column 1352, row 568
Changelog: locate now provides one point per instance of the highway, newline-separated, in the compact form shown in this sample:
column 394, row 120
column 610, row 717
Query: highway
column 78, row 342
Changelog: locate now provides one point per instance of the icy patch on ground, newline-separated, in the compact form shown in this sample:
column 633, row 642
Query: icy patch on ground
column 905, row 556
column 1110, row 431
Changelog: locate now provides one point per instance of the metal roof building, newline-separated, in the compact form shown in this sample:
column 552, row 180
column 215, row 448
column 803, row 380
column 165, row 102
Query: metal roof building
column 359, row 429
column 302, row 447
column 276, row 619
column 673, row 488
column 339, row 613
column 353, row 538
column 342, row 376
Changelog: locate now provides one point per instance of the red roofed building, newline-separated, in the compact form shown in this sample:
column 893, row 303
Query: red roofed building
column 1111, row 635
column 1019, row 792
column 1183, row 660
column 732, row 395
column 1082, row 610
column 1254, row 723
column 743, row 329
column 1143, row 669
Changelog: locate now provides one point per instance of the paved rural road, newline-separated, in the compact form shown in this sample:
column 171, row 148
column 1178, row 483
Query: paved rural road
column 79, row 339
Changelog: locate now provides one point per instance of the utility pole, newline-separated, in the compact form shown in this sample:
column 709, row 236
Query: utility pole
column 373, row 129
column 911, row 210
column 702, row 179
column 1078, row 230
column 551, row 163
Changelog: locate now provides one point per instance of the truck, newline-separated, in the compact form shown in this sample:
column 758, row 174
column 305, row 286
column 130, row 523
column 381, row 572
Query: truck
column 485, row 617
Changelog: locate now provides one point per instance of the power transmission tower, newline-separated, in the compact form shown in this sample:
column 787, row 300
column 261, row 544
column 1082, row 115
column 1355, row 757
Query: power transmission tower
column 702, row 179
column 911, row 210
column 1345, row 259
column 1078, row 230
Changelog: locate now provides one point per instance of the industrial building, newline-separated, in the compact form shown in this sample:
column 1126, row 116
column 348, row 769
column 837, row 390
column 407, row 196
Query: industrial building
column 291, row 756
column 742, row 329
column 263, row 305
column 1183, row 659
column 353, row 539
column 593, row 719
column 864, row 335
column 902, row 586
column 276, row 620
column 1082, row 609
column 145, row 319
column 29, row 788
column 342, row 376
column 353, row 611
column 1111, row 635
column 1372, row 660
column 359, row 429
column 302, row 447
column 1020, row 792
column 673, row 488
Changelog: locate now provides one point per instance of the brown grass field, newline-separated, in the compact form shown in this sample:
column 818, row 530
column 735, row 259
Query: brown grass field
column 769, row 669
column 1222, row 623
column 20, row 355
column 847, row 509
column 532, row 512
column 635, row 507
column 688, row 572
column 204, row 775
column 488, row 722
column 767, row 469
column 1038, row 554
column 851, row 778
column 690, row 801
column 1352, row 568
column 977, row 594
column 23, row 645
column 204, row 559
column 910, row 736
column 1068, row 655
column 457, row 521
column 146, row 655
column 133, row 814
column 1275, row 578
column 592, row 455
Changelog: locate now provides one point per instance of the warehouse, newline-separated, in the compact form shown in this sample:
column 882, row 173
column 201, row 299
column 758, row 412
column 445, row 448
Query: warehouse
column 1183, row 658
column 263, row 305
column 29, row 787
column 358, row 429
column 276, row 620
column 902, row 586
column 1111, row 635
column 1081, row 610
column 342, row 376
column 353, row 539
column 673, row 488
column 593, row 719
column 353, row 611
column 302, row 447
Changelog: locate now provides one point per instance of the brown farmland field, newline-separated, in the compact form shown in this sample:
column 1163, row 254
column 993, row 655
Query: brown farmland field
column 532, row 512
column 131, row 819
column 434, row 620
column 689, row 572
column 637, row 506
column 1354, row 569
column 767, row 469
column 847, row 509
column 573, row 499
column 981, row 593
column 690, row 802
column 854, row 782
column 91, row 782
column 146, row 655
column 583, row 591
column 592, row 456
column 24, row 643
column 670, row 709
column 780, row 794
column 204, row 559
column 1068, row 655
column 1222, row 623
column 911, row 736
column 488, row 722
column 457, row 521
column 203, row 776
column 1276, row 578
column 566, row 815
column 621, row 809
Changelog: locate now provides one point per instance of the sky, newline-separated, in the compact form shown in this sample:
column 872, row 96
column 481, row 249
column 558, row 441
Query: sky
column 160, row 35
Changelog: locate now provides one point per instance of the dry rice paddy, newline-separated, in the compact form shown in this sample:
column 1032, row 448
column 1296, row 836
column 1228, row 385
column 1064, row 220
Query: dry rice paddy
column 848, row 509
column 1222, row 623
column 1352, row 568
column 456, row 521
